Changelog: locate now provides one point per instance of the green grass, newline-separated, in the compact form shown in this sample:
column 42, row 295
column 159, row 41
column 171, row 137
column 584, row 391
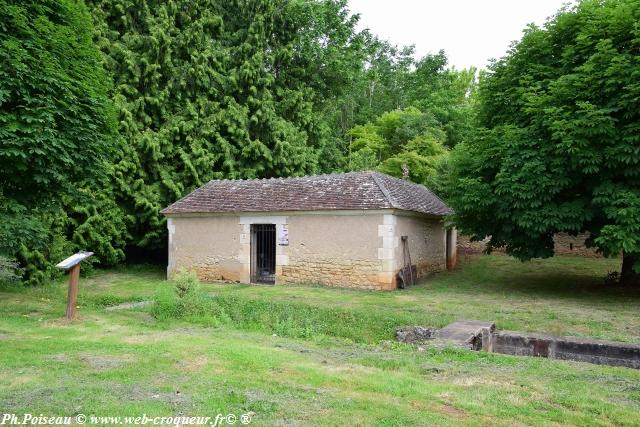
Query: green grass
column 335, row 364
column 561, row 296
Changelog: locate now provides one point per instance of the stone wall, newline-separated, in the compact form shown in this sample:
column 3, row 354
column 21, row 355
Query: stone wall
column 360, row 274
column 467, row 247
column 564, row 244
column 482, row 335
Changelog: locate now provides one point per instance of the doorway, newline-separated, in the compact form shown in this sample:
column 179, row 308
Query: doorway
column 263, row 253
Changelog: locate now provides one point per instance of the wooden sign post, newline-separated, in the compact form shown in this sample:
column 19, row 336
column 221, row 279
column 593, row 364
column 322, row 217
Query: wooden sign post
column 73, row 264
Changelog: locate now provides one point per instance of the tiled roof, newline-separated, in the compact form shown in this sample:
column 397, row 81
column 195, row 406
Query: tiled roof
column 344, row 191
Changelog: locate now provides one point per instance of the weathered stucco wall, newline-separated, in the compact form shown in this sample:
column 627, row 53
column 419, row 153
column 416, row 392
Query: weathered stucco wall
column 207, row 245
column 336, row 250
column 426, row 239
column 357, row 249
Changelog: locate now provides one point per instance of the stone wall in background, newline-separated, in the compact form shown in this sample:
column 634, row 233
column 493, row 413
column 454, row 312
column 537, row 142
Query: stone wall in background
column 564, row 244
column 573, row 245
column 467, row 247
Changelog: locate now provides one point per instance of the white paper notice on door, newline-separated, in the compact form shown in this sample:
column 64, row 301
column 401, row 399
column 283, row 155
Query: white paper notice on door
column 283, row 236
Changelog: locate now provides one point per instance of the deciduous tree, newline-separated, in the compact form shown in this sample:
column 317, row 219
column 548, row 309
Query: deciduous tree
column 560, row 149
column 57, row 130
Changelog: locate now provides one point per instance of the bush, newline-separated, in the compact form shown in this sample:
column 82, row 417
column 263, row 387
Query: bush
column 186, row 301
column 9, row 270
column 58, row 136
column 187, row 283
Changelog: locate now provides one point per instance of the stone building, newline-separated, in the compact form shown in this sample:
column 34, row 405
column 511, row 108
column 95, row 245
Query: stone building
column 358, row 229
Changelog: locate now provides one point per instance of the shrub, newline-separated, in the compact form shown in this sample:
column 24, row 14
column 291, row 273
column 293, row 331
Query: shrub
column 186, row 301
column 187, row 283
column 9, row 270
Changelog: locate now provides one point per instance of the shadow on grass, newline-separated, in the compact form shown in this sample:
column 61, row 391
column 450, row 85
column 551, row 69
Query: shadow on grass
column 564, row 277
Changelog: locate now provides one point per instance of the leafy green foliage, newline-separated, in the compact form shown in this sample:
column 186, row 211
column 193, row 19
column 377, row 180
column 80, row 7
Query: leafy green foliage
column 561, row 145
column 408, row 137
column 54, row 113
column 9, row 270
column 186, row 283
column 406, row 111
column 448, row 94
column 98, row 224
column 103, row 124
column 218, row 89
column 393, row 79
column 58, row 133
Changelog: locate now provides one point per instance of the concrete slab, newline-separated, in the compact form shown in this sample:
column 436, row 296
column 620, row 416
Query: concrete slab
column 464, row 333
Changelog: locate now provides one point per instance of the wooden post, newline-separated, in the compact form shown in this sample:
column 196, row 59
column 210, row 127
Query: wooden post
column 72, row 300
column 451, row 248
column 73, row 265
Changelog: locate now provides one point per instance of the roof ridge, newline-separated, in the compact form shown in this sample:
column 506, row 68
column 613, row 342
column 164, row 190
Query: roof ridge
column 384, row 189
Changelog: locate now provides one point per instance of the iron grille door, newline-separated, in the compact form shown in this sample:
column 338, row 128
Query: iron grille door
column 263, row 253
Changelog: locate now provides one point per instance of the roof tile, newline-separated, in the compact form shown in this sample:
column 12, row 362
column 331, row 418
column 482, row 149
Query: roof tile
column 344, row 191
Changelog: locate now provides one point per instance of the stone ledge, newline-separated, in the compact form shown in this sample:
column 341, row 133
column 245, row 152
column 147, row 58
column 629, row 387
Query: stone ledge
column 565, row 348
column 480, row 335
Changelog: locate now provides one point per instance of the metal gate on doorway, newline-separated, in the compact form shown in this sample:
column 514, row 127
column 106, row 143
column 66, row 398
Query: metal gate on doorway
column 263, row 253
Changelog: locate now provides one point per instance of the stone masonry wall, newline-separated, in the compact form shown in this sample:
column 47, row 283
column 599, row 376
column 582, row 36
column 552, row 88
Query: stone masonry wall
column 573, row 245
column 360, row 274
column 564, row 244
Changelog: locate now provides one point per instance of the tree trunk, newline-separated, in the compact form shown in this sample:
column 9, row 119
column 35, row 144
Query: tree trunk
column 629, row 276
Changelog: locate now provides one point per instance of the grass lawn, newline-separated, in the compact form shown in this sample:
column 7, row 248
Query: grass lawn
column 309, row 355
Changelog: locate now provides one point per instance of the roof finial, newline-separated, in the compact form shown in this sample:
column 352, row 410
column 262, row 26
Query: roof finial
column 405, row 171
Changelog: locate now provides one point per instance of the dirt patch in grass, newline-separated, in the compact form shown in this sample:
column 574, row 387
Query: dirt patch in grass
column 153, row 336
column 142, row 392
column 194, row 364
column 20, row 378
column 260, row 402
column 104, row 362
column 50, row 396
column 128, row 305
column 60, row 358
column 98, row 362
column 474, row 381
column 176, row 398
column 449, row 410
